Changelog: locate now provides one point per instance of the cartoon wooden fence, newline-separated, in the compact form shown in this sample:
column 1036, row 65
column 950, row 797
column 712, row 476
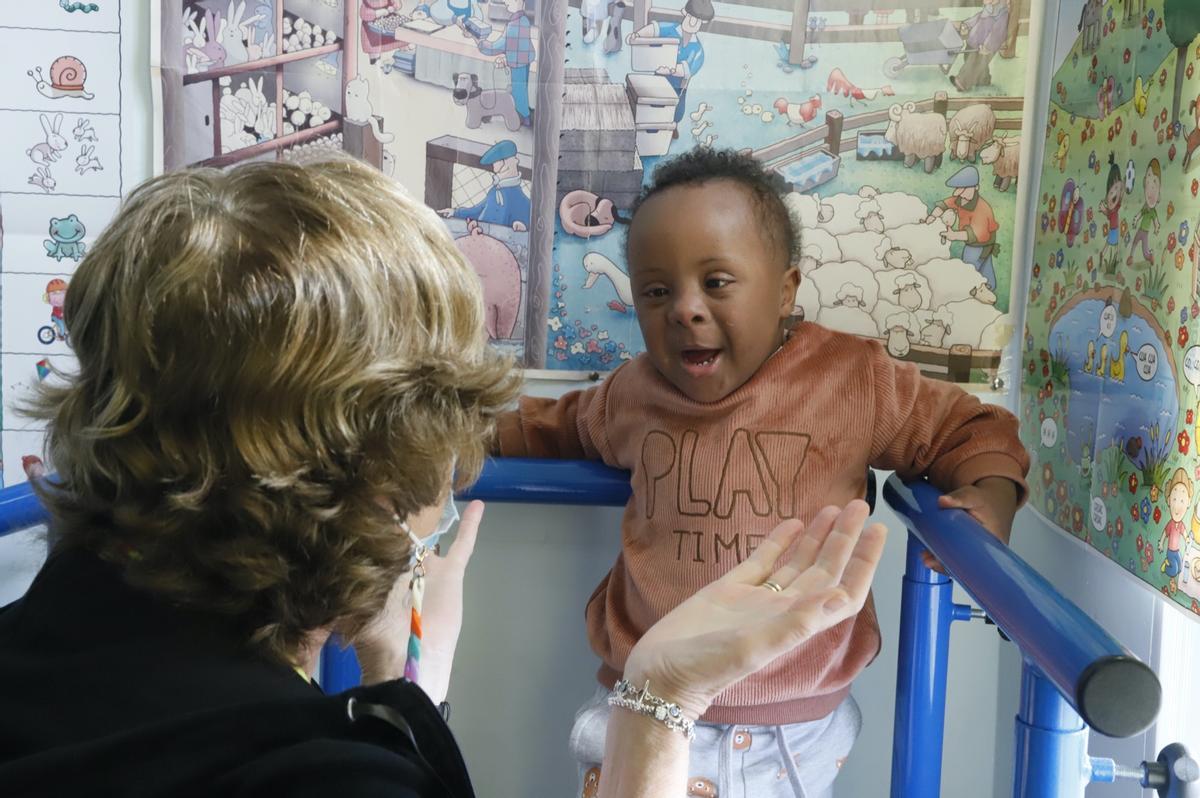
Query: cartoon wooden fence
column 957, row 362
column 798, row 34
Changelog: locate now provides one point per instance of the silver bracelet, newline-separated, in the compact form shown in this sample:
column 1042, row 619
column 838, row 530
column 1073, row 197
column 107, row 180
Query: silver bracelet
column 626, row 696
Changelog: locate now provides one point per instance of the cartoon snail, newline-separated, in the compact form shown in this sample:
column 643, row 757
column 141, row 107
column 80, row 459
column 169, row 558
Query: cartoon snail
column 67, row 75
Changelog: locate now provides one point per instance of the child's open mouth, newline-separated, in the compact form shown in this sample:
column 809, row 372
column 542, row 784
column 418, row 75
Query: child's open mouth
column 699, row 362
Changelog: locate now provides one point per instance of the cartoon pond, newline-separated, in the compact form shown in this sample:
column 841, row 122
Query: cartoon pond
column 1110, row 400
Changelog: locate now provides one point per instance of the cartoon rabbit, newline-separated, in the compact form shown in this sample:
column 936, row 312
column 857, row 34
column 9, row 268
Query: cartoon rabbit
column 230, row 34
column 87, row 162
column 84, row 131
column 211, row 54
column 50, row 150
column 42, row 179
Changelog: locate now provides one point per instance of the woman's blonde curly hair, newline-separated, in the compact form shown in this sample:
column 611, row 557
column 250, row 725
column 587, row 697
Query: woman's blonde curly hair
column 272, row 361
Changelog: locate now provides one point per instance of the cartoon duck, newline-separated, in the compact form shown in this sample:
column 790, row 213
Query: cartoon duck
column 1103, row 369
column 1064, row 146
column 1091, row 358
column 1139, row 97
column 1117, row 370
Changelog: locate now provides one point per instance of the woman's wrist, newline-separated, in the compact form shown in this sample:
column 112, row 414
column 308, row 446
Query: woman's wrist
column 693, row 703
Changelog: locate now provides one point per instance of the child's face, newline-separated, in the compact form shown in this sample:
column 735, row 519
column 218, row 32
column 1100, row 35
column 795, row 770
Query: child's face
column 1115, row 192
column 710, row 291
column 1178, row 500
column 1152, row 187
column 58, row 298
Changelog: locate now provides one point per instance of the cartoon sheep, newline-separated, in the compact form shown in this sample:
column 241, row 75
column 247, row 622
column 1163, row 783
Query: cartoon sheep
column 870, row 216
column 850, row 296
column 924, row 241
column 807, row 209
column 898, row 208
column 897, row 258
column 935, row 329
column 970, row 129
column 821, row 244
column 950, row 279
column 900, row 334
column 907, row 292
column 970, row 318
column 1003, row 154
column 830, row 278
column 864, row 248
column 919, row 136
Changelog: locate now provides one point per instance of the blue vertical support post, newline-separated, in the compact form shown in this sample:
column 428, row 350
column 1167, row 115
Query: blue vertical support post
column 926, row 611
column 1051, row 752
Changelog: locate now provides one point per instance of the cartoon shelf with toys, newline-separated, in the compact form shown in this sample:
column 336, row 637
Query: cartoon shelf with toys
column 266, row 79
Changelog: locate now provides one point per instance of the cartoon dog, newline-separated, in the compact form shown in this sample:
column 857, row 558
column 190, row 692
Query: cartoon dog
column 484, row 105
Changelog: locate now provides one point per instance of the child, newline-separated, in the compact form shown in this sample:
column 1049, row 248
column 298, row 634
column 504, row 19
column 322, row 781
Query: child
column 731, row 423
column 1179, row 498
column 1110, row 206
column 1148, row 218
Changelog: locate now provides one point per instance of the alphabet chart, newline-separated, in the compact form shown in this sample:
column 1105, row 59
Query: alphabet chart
column 65, row 103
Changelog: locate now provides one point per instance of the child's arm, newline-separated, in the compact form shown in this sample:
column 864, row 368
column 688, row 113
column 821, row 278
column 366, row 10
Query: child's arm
column 968, row 449
column 568, row 428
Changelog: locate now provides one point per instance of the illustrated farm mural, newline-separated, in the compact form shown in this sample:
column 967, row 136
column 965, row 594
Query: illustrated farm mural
column 897, row 132
column 1110, row 404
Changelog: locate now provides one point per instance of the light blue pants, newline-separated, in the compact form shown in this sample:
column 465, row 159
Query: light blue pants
column 799, row 760
column 520, row 89
column 974, row 256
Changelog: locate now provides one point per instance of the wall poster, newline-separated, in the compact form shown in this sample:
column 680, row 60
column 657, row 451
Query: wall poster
column 73, row 134
column 532, row 128
column 897, row 129
column 1110, row 395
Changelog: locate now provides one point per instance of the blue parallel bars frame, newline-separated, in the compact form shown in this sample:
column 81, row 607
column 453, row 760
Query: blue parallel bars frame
column 1075, row 675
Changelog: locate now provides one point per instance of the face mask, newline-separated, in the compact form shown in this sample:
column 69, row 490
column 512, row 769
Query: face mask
column 448, row 519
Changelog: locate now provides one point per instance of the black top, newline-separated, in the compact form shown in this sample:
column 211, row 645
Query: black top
column 106, row 690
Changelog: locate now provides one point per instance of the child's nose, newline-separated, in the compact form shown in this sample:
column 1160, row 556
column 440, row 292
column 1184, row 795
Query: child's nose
column 689, row 308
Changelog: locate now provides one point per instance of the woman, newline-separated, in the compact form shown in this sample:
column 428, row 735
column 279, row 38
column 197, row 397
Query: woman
column 279, row 370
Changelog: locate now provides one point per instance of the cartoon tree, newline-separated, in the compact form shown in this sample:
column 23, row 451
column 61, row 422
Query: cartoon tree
column 1181, row 18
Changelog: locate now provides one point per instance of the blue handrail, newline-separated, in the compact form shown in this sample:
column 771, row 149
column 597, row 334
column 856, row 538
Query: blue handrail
column 1116, row 693
column 1072, row 665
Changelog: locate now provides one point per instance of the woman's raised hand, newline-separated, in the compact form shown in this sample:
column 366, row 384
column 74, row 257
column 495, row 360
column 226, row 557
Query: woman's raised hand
column 738, row 624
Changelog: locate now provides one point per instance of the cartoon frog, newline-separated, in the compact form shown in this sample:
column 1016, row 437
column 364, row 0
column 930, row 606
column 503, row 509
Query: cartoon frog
column 66, row 238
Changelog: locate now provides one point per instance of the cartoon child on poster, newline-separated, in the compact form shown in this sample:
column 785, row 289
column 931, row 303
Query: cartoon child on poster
column 1179, row 498
column 56, row 297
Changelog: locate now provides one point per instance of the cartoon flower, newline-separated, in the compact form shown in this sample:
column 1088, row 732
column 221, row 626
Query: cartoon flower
column 1179, row 260
column 1145, row 510
column 1133, row 513
column 1157, row 515
column 1189, row 416
column 1077, row 519
column 1170, row 304
column 1049, row 389
column 1060, row 492
column 1183, row 336
column 1033, row 365
column 1184, row 442
column 1140, row 543
column 1120, row 526
column 1133, row 483
column 1047, row 474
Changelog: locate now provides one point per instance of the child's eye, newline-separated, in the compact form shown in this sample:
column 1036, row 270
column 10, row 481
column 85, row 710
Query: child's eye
column 717, row 282
column 654, row 292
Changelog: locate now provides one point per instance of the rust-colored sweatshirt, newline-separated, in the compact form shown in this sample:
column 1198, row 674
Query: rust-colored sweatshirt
column 711, row 480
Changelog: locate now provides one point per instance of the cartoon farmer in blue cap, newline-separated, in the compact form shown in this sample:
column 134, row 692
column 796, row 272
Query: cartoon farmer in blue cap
column 506, row 202
column 974, row 224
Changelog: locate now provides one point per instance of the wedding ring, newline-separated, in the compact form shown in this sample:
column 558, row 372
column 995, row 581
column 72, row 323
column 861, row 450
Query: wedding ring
column 772, row 586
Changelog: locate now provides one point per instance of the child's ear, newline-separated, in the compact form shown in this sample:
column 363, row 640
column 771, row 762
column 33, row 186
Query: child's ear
column 787, row 291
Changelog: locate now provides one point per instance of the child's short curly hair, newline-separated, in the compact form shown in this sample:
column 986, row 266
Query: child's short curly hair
column 703, row 164
column 272, row 360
